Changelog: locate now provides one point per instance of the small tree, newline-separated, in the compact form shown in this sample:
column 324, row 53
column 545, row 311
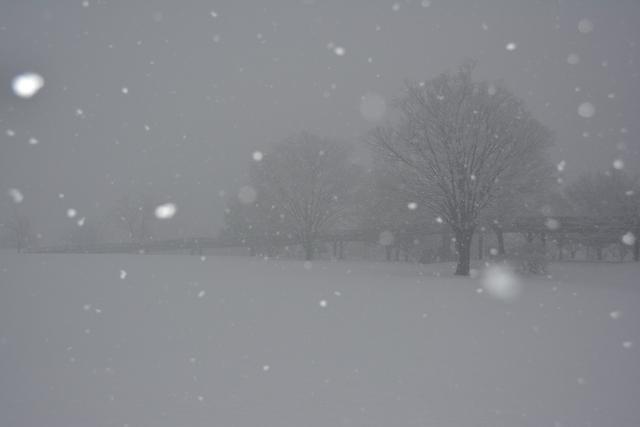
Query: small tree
column 458, row 145
column 310, row 182
column 84, row 236
column 18, row 227
column 135, row 214
column 610, row 195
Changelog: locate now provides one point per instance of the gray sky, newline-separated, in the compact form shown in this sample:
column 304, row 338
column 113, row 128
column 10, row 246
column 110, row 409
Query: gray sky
column 212, row 89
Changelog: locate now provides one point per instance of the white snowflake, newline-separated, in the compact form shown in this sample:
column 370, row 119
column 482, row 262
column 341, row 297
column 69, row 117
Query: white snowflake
column 615, row 314
column 586, row 110
column 27, row 85
column 552, row 224
column 16, row 195
column 339, row 50
column 585, row 26
column 247, row 194
column 629, row 238
column 501, row 283
column 573, row 58
column 166, row 211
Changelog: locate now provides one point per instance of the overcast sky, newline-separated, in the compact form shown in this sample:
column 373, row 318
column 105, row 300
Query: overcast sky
column 173, row 97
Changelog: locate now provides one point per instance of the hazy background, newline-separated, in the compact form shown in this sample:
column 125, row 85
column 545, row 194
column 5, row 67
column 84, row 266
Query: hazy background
column 209, row 82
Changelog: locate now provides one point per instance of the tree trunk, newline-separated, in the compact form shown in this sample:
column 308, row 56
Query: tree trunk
column 480, row 245
column 500, row 238
column 308, row 250
column 387, row 252
column 560, row 243
column 463, row 247
column 341, row 250
column 636, row 248
column 599, row 253
column 445, row 246
column 424, row 255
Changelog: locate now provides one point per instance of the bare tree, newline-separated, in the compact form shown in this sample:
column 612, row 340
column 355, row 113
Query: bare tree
column 610, row 196
column 18, row 227
column 84, row 236
column 310, row 181
column 458, row 146
column 135, row 214
column 257, row 224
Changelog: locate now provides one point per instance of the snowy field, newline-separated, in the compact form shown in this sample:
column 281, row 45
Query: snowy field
column 181, row 341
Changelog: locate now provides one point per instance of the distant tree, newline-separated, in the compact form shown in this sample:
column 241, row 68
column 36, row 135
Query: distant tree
column 534, row 193
column 254, row 223
column 18, row 230
column 390, row 206
column 458, row 145
column 88, row 234
column 309, row 182
column 613, row 195
column 135, row 215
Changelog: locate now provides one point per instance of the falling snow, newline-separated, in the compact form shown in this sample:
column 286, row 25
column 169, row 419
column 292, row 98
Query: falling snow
column 586, row 110
column 166, row 211
column 16, row 195
column 247, row 194
column 27, row 85
column 502, row 283
column 585, row 26
column 628, row 238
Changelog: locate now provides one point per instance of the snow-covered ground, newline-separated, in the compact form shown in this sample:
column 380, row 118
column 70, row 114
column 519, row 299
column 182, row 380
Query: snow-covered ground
column 90, row 340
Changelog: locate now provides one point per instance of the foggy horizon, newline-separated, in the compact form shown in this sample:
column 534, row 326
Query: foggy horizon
column 207, row 84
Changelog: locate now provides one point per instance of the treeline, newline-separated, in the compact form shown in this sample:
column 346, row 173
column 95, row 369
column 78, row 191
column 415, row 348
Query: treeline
column 462, row 154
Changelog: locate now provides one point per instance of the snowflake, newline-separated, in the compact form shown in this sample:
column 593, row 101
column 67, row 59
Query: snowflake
column 27, row 85
column 16, row 195
column 166, row 211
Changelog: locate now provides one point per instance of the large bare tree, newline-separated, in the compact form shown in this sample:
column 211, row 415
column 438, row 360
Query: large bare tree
column 310, row 181
column 460, row 145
